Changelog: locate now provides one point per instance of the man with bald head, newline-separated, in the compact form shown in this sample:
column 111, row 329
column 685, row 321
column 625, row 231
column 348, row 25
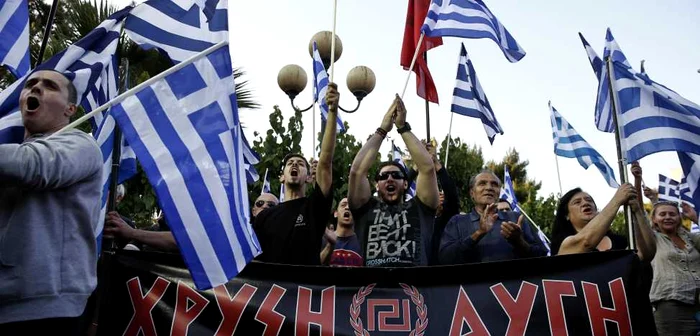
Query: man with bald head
column 50, row 190
column 487, row 234
column 264, row 201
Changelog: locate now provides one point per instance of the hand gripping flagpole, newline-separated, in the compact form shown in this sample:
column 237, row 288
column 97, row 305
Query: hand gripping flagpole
column 621, row 154
column 139, row 87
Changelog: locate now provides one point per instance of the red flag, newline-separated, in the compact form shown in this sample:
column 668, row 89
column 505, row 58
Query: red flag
column 415, row 15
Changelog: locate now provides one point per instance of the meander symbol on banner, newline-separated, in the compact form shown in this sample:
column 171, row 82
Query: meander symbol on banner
column 399, row 309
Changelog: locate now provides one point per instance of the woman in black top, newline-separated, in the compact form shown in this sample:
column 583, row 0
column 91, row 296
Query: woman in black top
column 579, row 227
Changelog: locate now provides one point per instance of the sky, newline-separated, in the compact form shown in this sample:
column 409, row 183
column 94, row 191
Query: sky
column 267, row 35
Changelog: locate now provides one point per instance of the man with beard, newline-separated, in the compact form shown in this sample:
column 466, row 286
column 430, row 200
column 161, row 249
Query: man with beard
column 291, row 232
column 394, row 233
column 50, row 190
column 342, row 248
column 485, row 234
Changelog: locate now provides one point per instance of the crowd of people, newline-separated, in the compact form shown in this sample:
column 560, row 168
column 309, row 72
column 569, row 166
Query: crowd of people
column 51, row 197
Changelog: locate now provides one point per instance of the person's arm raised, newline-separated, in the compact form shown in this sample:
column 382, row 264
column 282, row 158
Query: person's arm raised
column 590, row 236
column 426, row 183
column 324, row 171
column 359, row 190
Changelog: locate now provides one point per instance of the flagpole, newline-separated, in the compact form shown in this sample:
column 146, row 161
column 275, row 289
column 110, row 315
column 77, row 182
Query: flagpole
column 449, row 140
column 139, row 87
column 556, row 161
column 313, row 130
column 332, row 66
column 621, row 157
column 533, row 222
column 413, row 63
column 427, row 105
column 47, row 32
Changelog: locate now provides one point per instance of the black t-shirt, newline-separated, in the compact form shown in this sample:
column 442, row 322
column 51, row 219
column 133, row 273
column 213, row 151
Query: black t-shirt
column 291, row 232
column 395, row 235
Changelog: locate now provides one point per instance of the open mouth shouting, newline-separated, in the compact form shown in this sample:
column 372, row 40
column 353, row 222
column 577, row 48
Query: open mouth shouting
column 294, row 172
column 33, row 104
column 390, row 189
column 346, row 214
column 587, row 210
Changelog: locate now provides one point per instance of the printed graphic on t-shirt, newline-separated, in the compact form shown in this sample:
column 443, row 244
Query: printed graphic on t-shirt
column 343, row 257
column 390, row 239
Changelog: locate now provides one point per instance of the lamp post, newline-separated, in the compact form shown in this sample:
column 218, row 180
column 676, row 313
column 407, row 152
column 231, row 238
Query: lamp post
column 292, row 78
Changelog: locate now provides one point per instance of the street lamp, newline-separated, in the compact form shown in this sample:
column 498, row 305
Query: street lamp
column 292, row 78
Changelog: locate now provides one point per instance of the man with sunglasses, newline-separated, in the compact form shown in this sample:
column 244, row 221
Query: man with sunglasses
column 487, row 234
column 393, row 232
column 292, row 232
column 264, row 201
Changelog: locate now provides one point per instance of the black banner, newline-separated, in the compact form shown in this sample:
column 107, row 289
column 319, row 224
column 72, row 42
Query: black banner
column 586, row 294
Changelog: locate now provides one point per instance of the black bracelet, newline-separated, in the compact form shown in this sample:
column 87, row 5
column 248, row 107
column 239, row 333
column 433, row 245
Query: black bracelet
column 406, row 128
column 381, row 132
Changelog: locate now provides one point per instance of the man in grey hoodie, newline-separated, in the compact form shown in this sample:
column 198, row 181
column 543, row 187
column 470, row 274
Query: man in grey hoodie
column 49, row 204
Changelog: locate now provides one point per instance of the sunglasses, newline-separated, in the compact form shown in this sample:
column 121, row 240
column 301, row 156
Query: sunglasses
column 260, row 203
column 396, row 175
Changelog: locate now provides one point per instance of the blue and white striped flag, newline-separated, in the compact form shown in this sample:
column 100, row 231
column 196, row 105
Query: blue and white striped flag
column 685, row 192
column 83, row 63
column 603, row 106
column 411, row 192
column 652, row 117
column 250, row 159
column 596, row 62
column 470, row 19
column 691, row 169
column 568, row 143
column 668, row 189
column 508, row 192
column 14, row 36
column 469, row 98
column 186, row 133
column 103, row 126
column 321, row 87
column 266, row 184
column 397, row 154
column 180, row 28
column 281, row 198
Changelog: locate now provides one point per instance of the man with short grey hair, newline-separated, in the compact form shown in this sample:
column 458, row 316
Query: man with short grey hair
column 485, row 234
column 50, row 190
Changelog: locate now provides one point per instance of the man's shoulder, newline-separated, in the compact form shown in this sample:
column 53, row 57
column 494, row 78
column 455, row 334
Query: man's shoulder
column 81, row 140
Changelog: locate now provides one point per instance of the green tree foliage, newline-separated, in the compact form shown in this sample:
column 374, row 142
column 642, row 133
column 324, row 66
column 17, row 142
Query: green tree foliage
column 464, row 161
column 525, row 189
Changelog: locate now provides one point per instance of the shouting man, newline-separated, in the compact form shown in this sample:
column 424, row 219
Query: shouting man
column 292, row 232
column 394, row 232
column 50, row 191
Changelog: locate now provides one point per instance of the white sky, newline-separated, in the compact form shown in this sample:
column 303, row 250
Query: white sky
column 266, row 35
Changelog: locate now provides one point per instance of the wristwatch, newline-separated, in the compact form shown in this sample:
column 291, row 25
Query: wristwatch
column 406, row 127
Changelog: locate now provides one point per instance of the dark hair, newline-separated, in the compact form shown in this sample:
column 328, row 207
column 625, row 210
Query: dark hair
column 562, row 227
column 472, row 180
column 296, row 155
column 391, row 163
column 72, row 92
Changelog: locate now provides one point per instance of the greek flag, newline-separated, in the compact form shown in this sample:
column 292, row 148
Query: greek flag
column 186, row 133
column 668, row 189
column 397, row 154
column 470, row 100
column 690, row 192
column 180, row 28
column 266, row 184
column 470, row 19
column 103, row 126
column 568, row 143
column 685, row 193
column 321, row 87
column 14, row 36
column 281, row 192
column 250, row 159
column 596, row 62
column 603, row 107
column 508, row 192
column 411, row 192
column 652, row 117
column 83, row 63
